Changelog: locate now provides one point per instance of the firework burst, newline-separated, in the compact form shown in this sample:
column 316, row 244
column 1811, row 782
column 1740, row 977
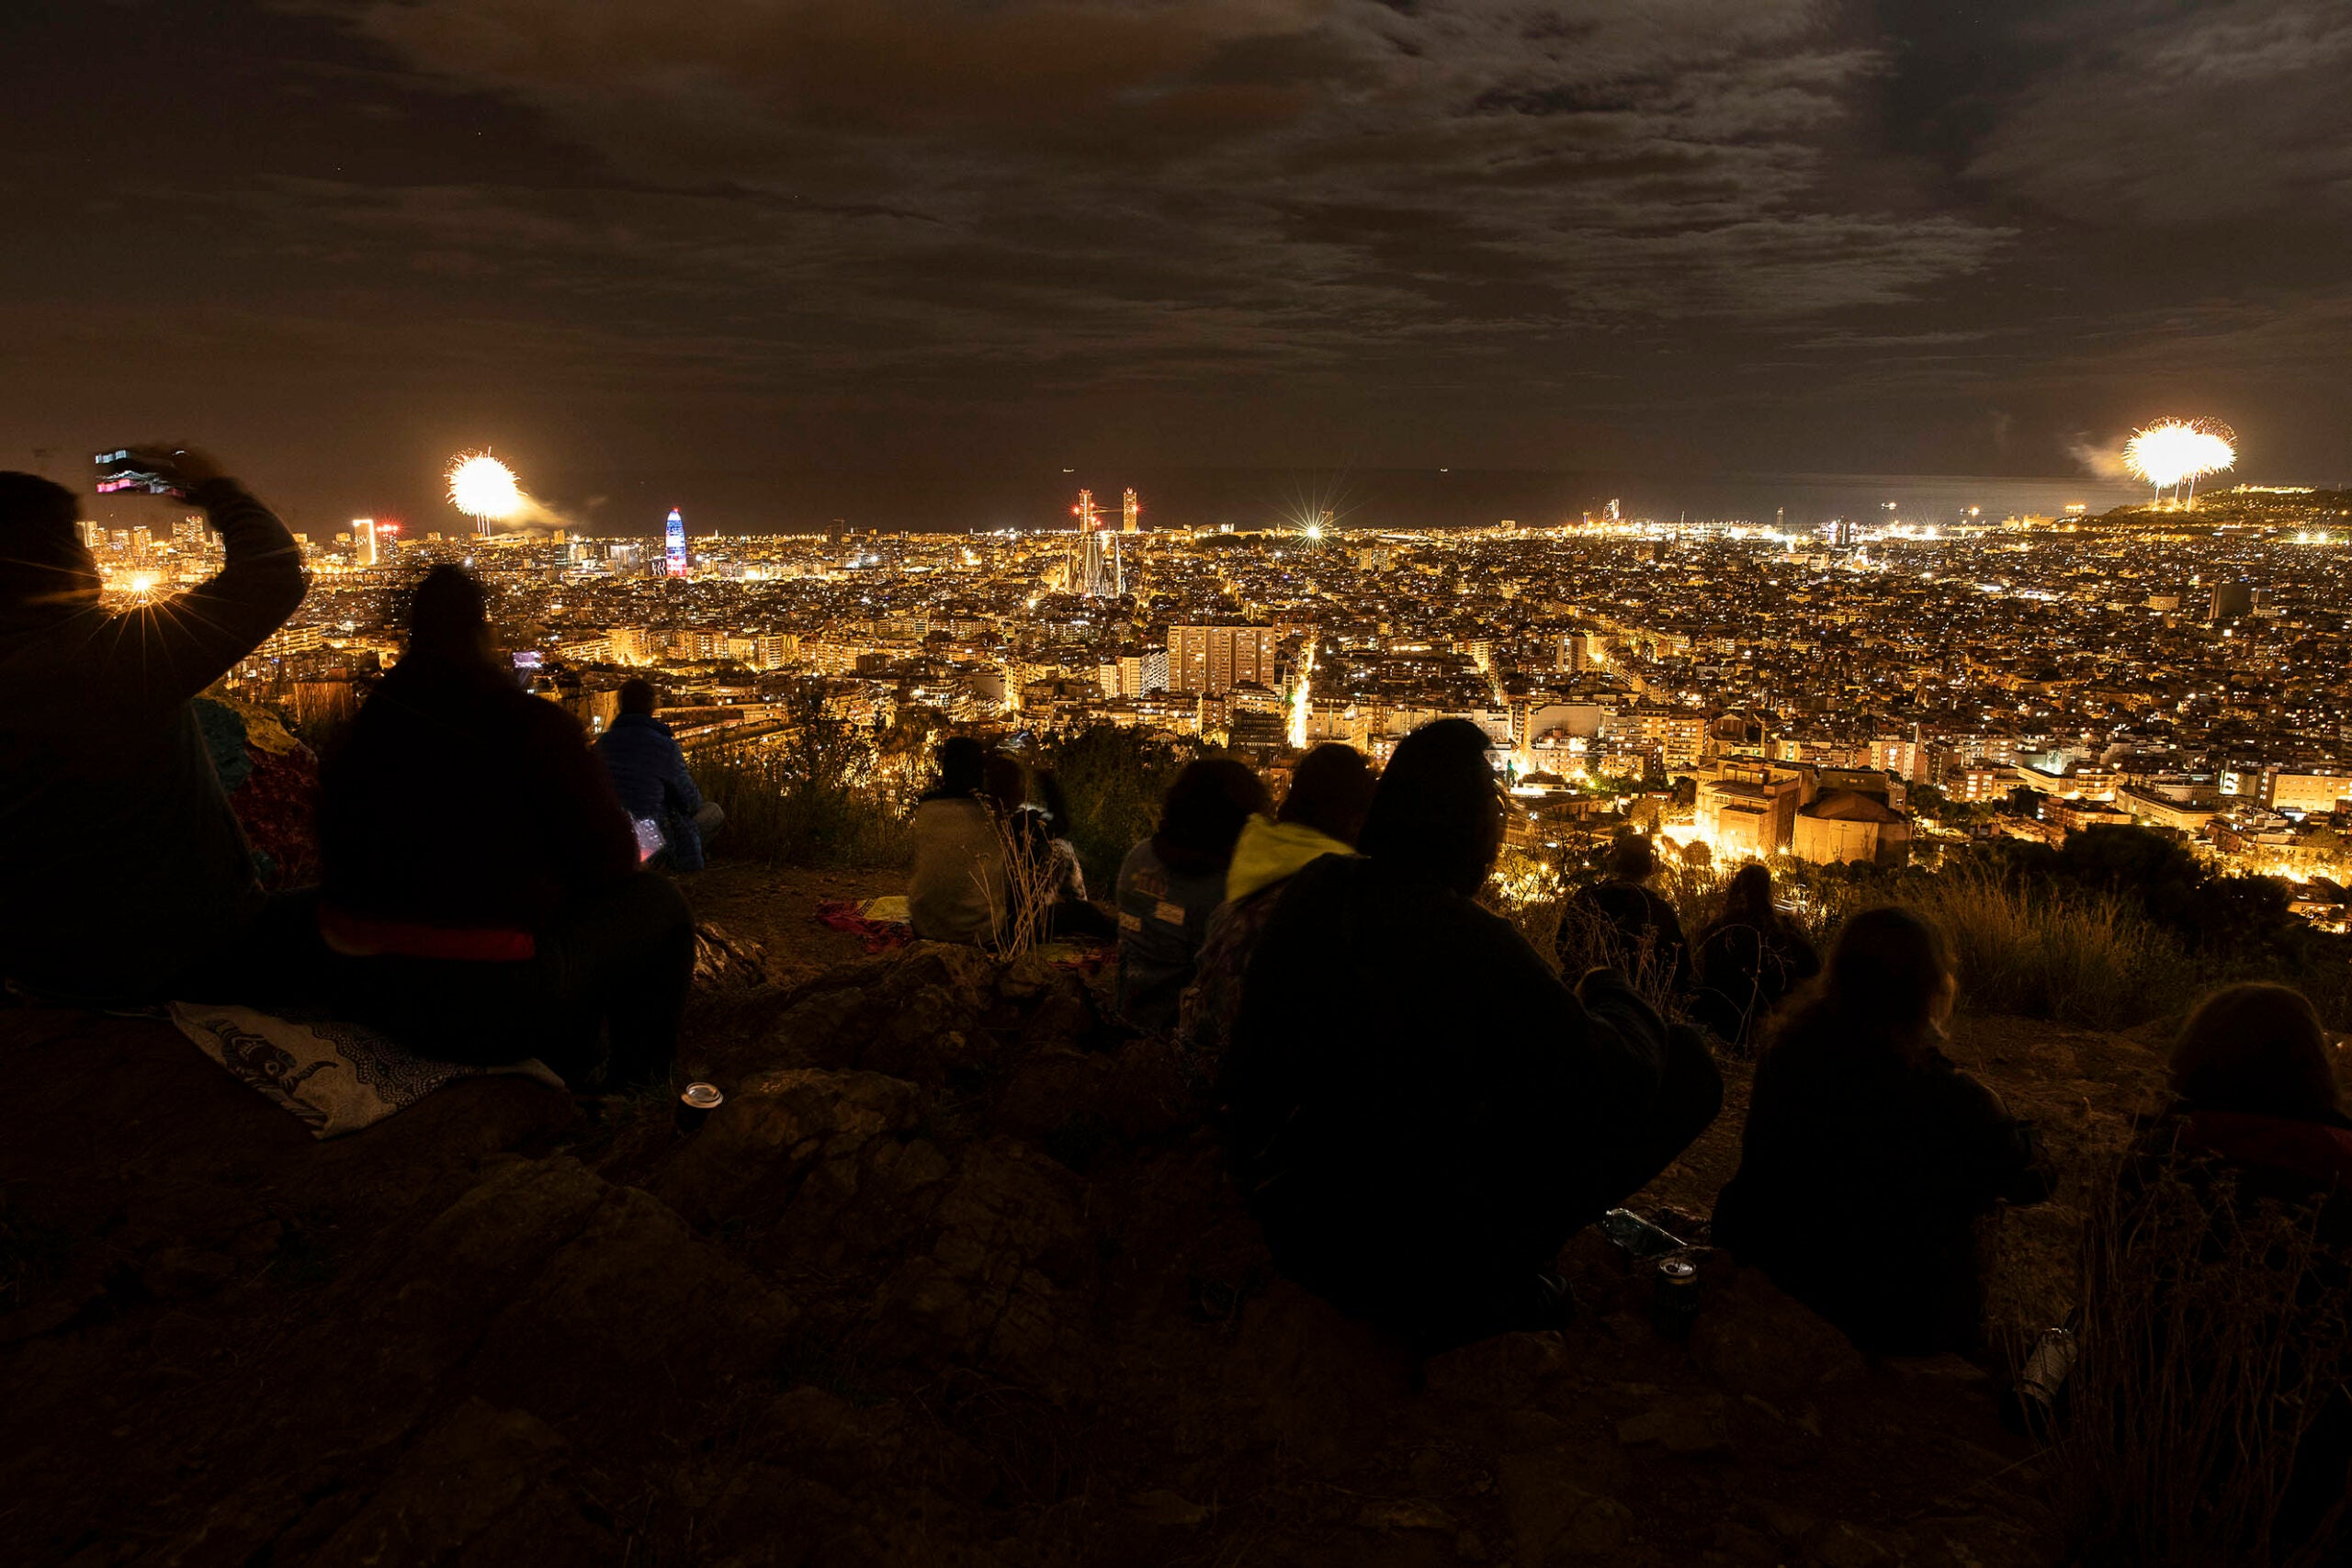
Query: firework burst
column 2174, row 453
column 485, row 489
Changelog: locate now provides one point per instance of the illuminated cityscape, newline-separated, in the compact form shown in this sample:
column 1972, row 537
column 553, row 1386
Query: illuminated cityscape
column 1868, row 691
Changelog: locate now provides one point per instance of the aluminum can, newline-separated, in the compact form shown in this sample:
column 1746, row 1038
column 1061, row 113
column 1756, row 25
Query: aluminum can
column 696, row 1103
column 1678, row 1296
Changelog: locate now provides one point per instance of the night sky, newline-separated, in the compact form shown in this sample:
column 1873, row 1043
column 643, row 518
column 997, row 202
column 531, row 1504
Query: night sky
column 781, row 259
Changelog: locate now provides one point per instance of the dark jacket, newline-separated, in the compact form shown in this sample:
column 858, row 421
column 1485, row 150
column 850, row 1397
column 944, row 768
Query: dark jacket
column 459, row 800
column 1861, row 1177
column 1423, row 1112
column 1649, row 932
column 1741, row 970
column 1163, row 920
column 124, row 868
column 650, row 775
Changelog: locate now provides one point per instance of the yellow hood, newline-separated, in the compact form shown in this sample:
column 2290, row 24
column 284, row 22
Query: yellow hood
column 1268, row 851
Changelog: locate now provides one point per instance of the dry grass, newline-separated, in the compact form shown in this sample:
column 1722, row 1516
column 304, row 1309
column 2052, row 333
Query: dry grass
column 1030, row 881
column 2080, row 958
column 805, row 804
column 2211, row 1329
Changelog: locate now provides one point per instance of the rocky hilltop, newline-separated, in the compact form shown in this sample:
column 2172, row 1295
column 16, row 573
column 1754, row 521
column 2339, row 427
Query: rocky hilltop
column 956, row 1275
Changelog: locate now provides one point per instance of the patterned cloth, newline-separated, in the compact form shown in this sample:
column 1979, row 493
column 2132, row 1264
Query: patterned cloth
column 332, row 1077
column 880, row 923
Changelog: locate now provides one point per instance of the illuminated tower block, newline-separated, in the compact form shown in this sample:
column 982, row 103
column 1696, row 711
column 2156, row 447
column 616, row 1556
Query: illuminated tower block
column 673, row 536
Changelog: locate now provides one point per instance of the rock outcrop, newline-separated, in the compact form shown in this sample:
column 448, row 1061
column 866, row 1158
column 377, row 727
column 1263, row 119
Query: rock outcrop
column 954, row 1275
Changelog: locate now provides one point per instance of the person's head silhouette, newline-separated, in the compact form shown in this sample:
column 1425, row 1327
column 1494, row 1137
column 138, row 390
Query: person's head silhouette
column 1331, row 791
column 448, row 624
column 1438, row 812
column 2259, row 1049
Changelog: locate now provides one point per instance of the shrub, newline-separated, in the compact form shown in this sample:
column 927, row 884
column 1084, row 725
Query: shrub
column 816, row 794
column 1114, row 778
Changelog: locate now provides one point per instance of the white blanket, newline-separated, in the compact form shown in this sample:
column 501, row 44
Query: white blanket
column 334, row 1077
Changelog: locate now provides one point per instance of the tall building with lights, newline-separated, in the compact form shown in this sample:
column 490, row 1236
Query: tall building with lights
column 674, row 537
column 363, row 540
column 1217, row 658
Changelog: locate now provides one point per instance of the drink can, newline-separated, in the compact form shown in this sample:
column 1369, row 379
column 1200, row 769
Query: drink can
column 1678, row 1295
column 696, row 1103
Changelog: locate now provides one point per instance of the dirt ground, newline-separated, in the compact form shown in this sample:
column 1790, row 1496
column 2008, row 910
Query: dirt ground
column 957, row 1276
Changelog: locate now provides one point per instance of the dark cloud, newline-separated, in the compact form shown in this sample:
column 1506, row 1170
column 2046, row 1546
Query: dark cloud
column 1903, row 234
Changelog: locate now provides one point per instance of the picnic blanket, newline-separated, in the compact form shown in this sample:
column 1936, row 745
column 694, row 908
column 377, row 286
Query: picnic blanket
column 332, row 1077
column 880, row 923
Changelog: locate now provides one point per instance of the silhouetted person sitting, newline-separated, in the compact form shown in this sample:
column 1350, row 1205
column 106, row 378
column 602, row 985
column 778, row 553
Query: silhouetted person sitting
column 1647, row 931
column 482, row 886
column 650, row 775
column 2257, row 1098
column 956, row 890
column 1748, row 959
column 126, row 877
column 1867, row 1155
column 1422, row 1112
column 1331, row 791
column 1170, row 883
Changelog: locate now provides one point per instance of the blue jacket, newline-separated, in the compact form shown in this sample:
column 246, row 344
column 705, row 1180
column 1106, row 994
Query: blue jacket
column 650, row 775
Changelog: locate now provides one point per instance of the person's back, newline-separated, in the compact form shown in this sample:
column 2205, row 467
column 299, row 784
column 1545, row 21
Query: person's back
column 1647, row 931
column 956, row 891
column 459, row 800
column 483, row 900
column 1171, row 883
column 1329, row 793
column 649, row 773
column 1748, row 959
column 1422, row 1112
column 1867, row 1155
column 127, row 872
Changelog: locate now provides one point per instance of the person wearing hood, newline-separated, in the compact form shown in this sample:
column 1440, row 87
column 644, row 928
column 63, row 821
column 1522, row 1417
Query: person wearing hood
column 484, row 897
column 1421, row 1111
column 129, row 879
column 1331, row 791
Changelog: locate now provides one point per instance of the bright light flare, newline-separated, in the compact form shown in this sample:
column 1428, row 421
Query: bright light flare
column 484, row 489
column 2174, row 452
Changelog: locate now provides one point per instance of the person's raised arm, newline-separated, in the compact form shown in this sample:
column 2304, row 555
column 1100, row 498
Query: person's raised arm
column 169, row 651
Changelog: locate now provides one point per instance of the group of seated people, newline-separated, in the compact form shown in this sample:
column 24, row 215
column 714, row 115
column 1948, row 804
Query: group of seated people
column 1730, row 979
column 1422, row 1108
column 485, row 896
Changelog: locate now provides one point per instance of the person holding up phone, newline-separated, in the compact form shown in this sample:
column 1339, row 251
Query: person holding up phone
column 126, row 878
